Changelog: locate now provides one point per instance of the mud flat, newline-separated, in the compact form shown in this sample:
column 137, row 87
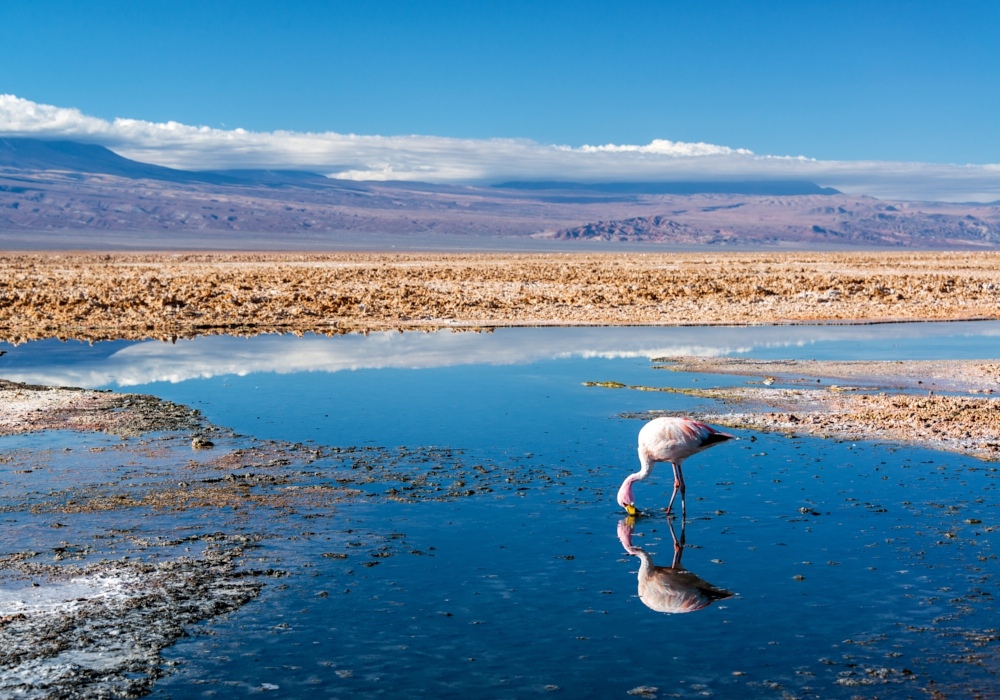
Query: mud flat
column 136, row 296
column 971, row 376
column 81, row 622
column 957, row 423
column 117, row 547
column 28, row 408
column 97, row 631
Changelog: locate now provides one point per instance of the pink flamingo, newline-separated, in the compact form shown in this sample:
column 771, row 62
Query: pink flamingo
column 669, row 440
column 669, row 589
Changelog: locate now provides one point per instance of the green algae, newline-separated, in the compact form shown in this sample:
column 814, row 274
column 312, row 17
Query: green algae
column 700, row 393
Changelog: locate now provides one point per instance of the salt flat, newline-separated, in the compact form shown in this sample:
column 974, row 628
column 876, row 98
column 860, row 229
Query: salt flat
column 135, row 296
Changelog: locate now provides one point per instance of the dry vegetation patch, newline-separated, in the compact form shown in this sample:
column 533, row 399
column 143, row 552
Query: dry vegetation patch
column 139, row 296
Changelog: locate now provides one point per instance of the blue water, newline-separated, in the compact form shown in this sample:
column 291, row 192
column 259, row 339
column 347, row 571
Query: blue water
column 524, row 592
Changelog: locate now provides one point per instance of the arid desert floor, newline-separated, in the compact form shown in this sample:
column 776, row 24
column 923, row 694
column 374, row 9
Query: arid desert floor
column 135, row 296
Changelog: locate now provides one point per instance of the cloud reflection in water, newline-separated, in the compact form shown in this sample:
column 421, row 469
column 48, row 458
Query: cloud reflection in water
column 154, row 361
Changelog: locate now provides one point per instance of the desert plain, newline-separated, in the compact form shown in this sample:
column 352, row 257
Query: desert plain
column 136, row 296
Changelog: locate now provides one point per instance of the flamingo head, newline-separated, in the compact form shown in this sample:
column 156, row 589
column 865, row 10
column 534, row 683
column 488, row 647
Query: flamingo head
column 626, row 527
column 625, row 498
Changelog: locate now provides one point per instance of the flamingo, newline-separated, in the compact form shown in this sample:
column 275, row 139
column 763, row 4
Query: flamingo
column 669, row 440
column 669, row 589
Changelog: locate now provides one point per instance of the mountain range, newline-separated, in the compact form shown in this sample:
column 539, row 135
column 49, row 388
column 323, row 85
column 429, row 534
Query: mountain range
column 81, row 189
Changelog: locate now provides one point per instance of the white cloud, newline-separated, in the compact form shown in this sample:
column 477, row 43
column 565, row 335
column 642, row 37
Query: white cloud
column 667, row 148
column 438, row 159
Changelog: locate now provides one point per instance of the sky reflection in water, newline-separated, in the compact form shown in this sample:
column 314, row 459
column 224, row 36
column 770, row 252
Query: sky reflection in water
column 843, row 579
column 127, row 364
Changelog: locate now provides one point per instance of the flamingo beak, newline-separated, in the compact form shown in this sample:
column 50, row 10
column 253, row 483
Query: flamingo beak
column 631, row 509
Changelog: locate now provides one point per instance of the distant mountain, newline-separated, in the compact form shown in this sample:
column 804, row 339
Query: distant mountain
column 272, row 178
column 774, row 188
column 877, row 224
column 36, row 154
column 81, row 189
column 659, row 229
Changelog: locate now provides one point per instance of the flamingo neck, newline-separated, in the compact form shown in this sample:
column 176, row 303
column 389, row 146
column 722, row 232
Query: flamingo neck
column 625, row 492
column 646, row 565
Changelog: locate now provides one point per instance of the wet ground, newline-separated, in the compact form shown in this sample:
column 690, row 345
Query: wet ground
column 441, row 522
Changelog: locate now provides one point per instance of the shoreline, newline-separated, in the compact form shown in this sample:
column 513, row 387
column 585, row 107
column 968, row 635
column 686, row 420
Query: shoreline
column 19, row 336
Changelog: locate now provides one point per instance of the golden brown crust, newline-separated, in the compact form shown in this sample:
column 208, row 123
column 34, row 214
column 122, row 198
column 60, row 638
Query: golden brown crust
column 103, row 296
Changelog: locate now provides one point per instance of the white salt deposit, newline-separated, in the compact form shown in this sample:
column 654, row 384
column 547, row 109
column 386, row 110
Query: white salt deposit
column 58, row 597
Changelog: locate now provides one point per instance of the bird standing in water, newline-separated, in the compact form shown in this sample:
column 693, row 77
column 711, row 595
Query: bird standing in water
column 669, row 440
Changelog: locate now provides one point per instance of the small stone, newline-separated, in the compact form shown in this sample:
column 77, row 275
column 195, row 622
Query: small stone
column 799, row 577
column 200, row 443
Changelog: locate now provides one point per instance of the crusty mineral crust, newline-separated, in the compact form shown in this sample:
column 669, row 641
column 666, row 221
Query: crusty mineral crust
column 969, row 425
column 28, row 408
column 134, row 296
column 972, row 376
column 966, row 424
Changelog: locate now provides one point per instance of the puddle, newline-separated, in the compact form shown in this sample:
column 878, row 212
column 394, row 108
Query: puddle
column 435, row 516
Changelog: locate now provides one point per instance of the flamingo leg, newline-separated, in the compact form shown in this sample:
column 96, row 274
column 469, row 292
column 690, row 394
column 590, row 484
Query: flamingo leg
column 678, row 546
column 677, row 485
column 683, row 495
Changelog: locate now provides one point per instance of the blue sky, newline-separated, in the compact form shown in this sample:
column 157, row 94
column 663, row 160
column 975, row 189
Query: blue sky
column 899, row 81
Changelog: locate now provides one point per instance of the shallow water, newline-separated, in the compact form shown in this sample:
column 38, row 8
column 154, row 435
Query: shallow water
column 857, row 569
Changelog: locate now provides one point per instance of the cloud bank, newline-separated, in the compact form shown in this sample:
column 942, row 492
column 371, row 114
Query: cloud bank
column 439, row 159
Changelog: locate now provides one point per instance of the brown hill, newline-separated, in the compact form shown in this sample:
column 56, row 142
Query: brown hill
column 854, row 221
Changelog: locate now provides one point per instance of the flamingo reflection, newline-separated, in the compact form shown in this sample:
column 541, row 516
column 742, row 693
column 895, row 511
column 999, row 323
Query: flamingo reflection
column 669, row 589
